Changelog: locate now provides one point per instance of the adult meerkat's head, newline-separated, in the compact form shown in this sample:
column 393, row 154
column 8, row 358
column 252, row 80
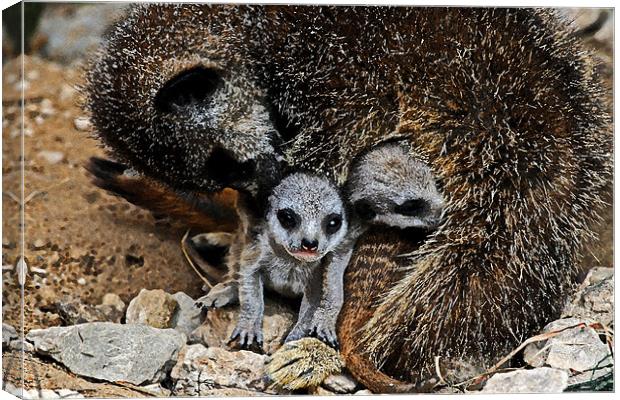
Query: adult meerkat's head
column 170, row 95
column 222, row 124
column 391, row 187
column 306, row 216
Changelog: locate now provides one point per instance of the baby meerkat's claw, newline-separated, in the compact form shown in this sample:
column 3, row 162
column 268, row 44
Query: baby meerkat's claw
column 247, row 338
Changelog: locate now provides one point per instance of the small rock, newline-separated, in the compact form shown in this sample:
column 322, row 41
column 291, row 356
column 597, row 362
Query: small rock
column 594, row 299
column 152, row 307
column 364, row 392
column 137, row 354
column 114, row 300
column 157, row 390
column 8, row 334
column 219, row 324
column 51, row 157
column 47, row 108
column 539, row 380
column 20, row 345
column 81, row 281
column 82, row 124
column 75, row 312
column 201, row 369
column 187, row 317
column 340, row 383
column 53, row 258
column 578, row 349
column 38, row 271
column 10, row 388
column 38, row 244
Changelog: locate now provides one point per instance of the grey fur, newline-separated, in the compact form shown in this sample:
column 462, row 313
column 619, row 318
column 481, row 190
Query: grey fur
column 276, row 260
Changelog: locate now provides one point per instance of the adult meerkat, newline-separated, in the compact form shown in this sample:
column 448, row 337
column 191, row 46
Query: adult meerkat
column 504, row 102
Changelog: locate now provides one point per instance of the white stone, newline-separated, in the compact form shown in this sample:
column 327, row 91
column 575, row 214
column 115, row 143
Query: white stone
column 539, row 380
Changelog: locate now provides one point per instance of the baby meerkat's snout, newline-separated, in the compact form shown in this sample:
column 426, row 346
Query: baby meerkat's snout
column 309, row 245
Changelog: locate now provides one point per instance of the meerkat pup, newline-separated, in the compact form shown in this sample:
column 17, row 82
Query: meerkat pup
column 299, row 250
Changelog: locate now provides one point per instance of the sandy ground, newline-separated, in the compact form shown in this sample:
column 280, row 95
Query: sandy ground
column 82, row 243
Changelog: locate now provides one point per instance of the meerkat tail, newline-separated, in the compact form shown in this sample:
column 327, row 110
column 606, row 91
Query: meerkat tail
column 205, row 212
column 376, row 381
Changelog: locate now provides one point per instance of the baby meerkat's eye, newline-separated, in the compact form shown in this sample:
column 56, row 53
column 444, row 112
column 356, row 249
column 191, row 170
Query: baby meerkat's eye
column 288, row 219
column 412, row 208
column 333, row 223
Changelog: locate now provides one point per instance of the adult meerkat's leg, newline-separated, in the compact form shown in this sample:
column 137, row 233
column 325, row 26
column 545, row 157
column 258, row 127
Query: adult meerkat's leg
column 205, row 212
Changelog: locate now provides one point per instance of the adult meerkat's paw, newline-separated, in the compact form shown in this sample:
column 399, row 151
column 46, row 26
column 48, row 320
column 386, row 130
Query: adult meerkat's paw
column 221, row 295
column 303, row 363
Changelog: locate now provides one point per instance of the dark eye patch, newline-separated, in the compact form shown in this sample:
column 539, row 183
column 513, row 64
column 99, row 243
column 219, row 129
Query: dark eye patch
column 192, row 85
column 288, row 218
column 332, row 223
column 413, row 208
column 364, row 210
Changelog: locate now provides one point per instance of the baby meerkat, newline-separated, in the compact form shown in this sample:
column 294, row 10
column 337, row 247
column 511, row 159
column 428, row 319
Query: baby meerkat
column 300, row 250
column 389, row 186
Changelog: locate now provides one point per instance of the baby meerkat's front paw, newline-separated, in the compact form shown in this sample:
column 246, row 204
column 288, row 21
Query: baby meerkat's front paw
column 325, row 333
column 248, row 333
column 323, row 327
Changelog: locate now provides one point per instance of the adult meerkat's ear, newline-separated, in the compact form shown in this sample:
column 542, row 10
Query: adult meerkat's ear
column 192, row 85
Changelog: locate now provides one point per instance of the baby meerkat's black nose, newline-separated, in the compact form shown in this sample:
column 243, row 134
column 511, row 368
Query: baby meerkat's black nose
column 309, row 245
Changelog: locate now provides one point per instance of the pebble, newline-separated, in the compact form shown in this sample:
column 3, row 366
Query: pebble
column 81, row 281
column 152, row 307
column 38, row 271
column 9, row 333
column 51, row 157
column 340, row 383
column 200, row 369
column 39, row 244
column 364, row 392
column 577, row 349
column 53, row 258
column 114, row 300
column 47, row 108
column 539, row 380
column 82, row 124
